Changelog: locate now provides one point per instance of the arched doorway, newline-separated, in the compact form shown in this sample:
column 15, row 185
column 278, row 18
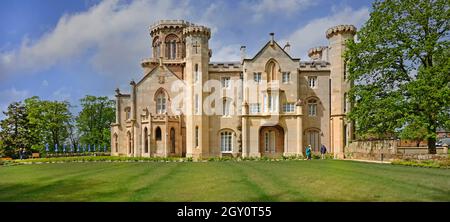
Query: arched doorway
column 271, row 141
column 313, row 139
column 159, row 148
column 172, row 140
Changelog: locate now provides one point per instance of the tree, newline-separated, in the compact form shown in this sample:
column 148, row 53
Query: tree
column 1, row 148
column 74, row 135
column 414, row 132
column 94, row 120
column 400, row 69
column 15, row 130
column 50, row 120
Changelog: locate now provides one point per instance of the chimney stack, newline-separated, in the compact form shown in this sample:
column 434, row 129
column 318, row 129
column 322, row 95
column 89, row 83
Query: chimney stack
column 272, row 38
column 287, row 47
column 243, row 53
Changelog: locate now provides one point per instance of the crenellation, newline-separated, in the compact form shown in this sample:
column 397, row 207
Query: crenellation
column 316, row 52
column 340, row 29
column 197, row 30
column 167, row 24
column 318, row 64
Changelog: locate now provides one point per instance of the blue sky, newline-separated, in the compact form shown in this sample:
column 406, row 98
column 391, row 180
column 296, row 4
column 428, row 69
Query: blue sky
column 65, row 49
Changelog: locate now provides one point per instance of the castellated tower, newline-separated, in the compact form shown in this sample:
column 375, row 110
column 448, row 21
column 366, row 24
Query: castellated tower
column 197, row 61
column 168, row 46
column 340, row 128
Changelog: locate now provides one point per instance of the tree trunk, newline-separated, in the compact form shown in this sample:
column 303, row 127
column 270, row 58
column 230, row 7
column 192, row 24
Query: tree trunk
column 432, row 145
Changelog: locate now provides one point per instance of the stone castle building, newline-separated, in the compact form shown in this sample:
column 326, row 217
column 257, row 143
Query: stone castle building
column 268, row 105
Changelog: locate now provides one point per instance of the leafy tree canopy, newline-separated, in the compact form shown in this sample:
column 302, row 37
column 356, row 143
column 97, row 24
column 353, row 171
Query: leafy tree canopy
column 94, row 120
column 400, row 68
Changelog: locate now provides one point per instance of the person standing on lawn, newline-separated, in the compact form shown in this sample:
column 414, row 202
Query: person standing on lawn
column 323, row 151
column 308, row 152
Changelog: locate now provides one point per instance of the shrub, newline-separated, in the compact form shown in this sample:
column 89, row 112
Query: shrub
column 440, row 163
column 329, row 156
column 108, row 158
column 293, row 157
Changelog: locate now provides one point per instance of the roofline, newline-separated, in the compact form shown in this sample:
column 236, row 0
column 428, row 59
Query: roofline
column 260, row 51
column 151, row 71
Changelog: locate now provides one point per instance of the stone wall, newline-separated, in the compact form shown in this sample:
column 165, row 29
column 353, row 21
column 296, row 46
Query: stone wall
column 389, row 150
column 372, row 150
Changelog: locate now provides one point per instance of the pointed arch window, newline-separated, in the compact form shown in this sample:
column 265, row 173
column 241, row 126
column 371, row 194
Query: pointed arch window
column 171, row 46
column 130, row 142
column 158, row 134
column 161, row 103
column 173, row 49
column 145, row 140
column 156, row 48
column 116, row 143
column 272, row 70
column 172, row 140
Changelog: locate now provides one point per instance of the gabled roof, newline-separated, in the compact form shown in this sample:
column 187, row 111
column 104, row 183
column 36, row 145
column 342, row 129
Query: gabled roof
column 154, row 70
column 267, row 45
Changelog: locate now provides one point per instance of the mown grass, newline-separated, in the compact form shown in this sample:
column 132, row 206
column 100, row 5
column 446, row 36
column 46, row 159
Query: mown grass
column 316, row 180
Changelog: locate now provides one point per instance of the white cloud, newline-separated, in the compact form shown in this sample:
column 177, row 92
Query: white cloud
column 226, row 53
column 114, row 33
column 212, row 16
column 313, row 33
column 284, row 7
column 44, row 83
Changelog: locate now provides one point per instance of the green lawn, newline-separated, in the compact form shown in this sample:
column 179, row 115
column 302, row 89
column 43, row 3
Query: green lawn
column 317, row 180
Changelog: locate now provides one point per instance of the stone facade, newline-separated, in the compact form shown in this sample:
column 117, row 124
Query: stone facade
column 267, row 105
